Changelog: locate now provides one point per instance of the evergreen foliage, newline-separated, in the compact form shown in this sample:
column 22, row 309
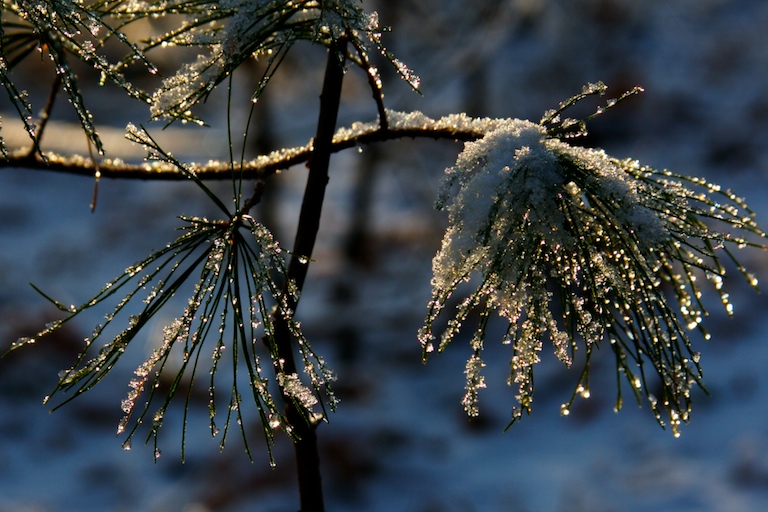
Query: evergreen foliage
column 545, row 226
column 567, row 244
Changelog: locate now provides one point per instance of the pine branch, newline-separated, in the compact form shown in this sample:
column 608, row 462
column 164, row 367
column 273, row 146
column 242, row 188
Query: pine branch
column 400, row 126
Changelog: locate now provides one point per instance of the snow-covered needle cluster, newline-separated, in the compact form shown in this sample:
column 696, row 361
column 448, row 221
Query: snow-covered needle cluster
column 228, row 32
column 234, row 31
column 234, row 301
column 572, row 246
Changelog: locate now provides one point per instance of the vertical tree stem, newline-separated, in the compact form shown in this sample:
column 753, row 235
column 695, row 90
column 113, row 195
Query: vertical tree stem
column 307, row 457
column 311, row 207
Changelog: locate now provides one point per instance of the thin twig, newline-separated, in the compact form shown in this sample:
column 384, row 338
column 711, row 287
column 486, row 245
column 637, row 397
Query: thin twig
column 45, row 115
column 258, row 191
column 375, row 84
column 96, row 175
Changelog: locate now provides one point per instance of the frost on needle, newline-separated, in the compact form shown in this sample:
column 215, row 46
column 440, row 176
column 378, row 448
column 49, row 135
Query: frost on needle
column 570, row 245
column 236, row 31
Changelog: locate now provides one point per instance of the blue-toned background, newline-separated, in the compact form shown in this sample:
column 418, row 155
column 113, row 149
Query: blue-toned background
column 400, row 440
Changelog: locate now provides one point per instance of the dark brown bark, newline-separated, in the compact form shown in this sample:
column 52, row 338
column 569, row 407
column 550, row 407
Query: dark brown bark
column 307, row 456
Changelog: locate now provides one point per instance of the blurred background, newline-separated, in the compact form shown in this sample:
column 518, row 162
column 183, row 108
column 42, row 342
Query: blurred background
column 400, row 439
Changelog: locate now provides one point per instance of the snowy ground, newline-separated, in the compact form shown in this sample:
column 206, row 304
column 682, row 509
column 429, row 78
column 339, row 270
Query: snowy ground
column 400, row 440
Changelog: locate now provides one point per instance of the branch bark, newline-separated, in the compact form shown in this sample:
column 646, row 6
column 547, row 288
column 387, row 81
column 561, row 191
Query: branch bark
column 307, row 456
column 258, row 168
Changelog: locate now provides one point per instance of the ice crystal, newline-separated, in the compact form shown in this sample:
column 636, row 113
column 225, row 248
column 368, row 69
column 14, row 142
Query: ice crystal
column 569, row 244
column 296, row 390
column 475, row 382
